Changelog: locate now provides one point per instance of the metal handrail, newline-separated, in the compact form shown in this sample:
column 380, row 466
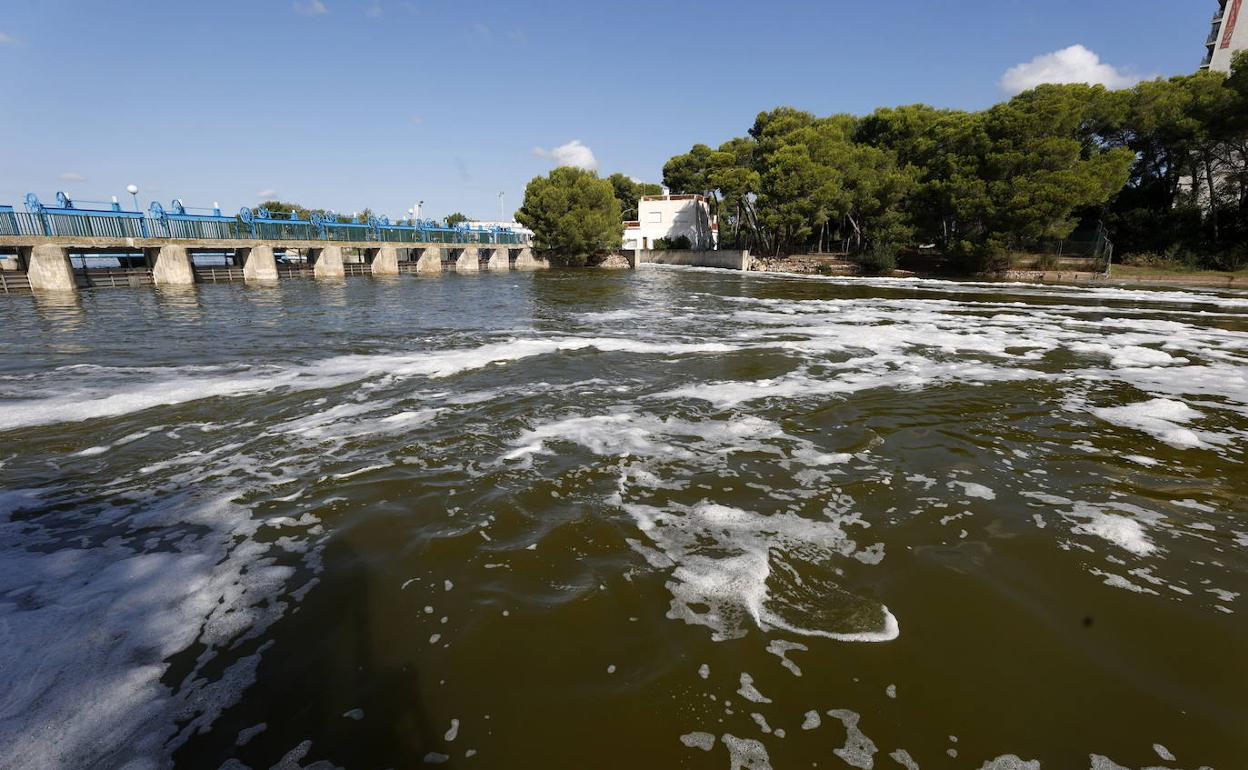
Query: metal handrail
column 86, row 223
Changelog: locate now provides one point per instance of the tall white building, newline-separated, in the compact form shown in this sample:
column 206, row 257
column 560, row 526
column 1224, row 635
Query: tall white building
column 670, row 217
column 1228, row 37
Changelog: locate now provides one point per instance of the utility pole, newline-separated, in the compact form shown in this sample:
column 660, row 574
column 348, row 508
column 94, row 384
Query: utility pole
column 501, row 218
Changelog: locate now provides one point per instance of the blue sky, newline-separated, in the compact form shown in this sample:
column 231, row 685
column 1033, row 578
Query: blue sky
column 346, row 104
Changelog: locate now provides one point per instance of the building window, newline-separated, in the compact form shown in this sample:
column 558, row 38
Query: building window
column 656, row 217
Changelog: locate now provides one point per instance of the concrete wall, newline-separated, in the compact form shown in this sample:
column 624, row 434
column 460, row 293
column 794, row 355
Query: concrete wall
column 729, row 260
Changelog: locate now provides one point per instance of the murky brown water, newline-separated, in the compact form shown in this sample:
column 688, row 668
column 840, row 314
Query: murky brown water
column 672, row 518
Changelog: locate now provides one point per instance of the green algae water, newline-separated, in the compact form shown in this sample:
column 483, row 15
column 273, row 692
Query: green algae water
column 667, row 519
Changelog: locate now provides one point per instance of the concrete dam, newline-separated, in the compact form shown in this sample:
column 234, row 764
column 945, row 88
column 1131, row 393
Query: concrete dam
column 159, row 247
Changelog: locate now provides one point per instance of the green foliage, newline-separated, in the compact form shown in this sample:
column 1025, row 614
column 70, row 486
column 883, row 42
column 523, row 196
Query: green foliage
column 456, row 218
column 573, row 214
column 1163, row 165
column 679, row 243
column 880, row 259
column 283, row 210
column 629, row 192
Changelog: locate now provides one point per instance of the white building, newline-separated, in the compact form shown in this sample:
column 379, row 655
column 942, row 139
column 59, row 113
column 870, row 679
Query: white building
column 515, row 227
column 670, row 217
column 1228, row 37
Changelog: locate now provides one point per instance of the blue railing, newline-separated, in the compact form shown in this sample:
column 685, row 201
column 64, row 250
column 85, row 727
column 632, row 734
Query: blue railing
column 177, row 222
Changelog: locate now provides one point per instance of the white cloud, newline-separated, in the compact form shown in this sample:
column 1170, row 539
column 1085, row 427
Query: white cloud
column 267, row 194
column 310, row 7
column 71, row 176
column 6, row 39
column 574, row 153
column 1076, row 64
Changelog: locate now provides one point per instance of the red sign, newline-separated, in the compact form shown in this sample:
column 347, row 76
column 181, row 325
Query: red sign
column 1228, row 29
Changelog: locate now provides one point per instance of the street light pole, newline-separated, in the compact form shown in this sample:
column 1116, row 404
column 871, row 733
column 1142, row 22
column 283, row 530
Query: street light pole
column 133, row 189
column 501, row 218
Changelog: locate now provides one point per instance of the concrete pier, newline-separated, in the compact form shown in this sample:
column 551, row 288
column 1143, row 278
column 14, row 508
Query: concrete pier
column 469, row 260
column 259, row 264
column 172, row 267
column 327, row 262
column 48, row 268
column 430, row 260
column 386, row 261
column 526, row 261
column 500, row 260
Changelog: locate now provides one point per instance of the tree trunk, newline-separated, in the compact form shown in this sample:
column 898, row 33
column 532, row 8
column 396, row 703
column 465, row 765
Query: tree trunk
column 1213, row 198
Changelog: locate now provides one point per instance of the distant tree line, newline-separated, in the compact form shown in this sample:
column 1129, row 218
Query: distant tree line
column 1164, row 166
column 283, row 209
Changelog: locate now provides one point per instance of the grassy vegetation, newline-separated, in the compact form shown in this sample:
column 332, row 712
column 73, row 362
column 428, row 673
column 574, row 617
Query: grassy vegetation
column 1174, row 270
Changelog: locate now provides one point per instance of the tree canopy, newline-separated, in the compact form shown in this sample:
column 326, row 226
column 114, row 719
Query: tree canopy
column 1163, row 165
column 573, row 214
column 628, row 192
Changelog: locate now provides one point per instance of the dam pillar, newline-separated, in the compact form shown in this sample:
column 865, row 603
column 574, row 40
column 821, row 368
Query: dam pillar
column 526, row 261
column 259, row 264
column 48, row 269
column 172, row 266
column 430, row 260
column 500, row 259
column 328, row 262
column 386, row 261
column 469, row 260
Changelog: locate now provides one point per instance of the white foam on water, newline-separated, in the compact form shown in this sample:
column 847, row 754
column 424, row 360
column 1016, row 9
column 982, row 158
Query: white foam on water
column 453, row 732
column 1123, row 531
column 859, row 750
column 812, row 720
column 750, row 692
column 630, row 434
column 1160, row 418
column 100, row 694
column 734, row 586
column 1011, row 762
column 146, row 388
column 1163, row 752
column 781, row 650
column 972, row 489
column 696, row 740
column 903, row 758
column 761, row 721
column 746, row 753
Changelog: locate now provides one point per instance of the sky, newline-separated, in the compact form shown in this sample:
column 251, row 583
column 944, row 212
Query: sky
column 347, row 104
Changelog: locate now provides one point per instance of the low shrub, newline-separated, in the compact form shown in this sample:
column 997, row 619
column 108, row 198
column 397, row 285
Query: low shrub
column 880, row 259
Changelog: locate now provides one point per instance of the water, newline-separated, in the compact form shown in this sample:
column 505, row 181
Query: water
column 672, row 518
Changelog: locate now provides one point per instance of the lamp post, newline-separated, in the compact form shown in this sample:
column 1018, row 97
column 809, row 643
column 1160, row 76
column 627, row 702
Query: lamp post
column 417, row 207
column 133, row 189
column 501, row 218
